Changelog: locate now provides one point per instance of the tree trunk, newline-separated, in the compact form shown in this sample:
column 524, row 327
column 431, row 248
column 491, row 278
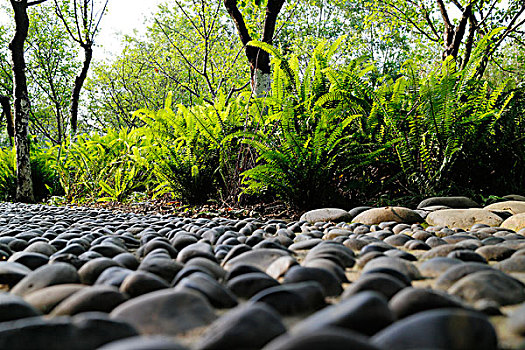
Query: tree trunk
column 260, row 71
column 6, row 110
column 79, row 82
column 24, row 183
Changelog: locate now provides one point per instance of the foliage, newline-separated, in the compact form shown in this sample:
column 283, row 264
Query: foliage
column 104, row 168
column 305, row 152
column 191, row 158
column 45, row 181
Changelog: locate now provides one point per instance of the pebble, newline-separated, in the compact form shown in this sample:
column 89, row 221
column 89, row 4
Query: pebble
column 365, row 312
column 101, row 276
column 144, row 343
column 166, row 312
column 419, row 331
column 250, row 326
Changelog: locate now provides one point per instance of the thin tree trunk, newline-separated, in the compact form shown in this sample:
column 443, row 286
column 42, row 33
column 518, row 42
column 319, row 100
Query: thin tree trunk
column 24, row 183
column 259, row 59
column 79, row 82
column 6, row 108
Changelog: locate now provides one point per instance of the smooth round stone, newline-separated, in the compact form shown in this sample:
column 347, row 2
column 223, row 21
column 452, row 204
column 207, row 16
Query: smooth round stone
column 329, row 265
column 455, row 273
column 249, row 284
column 182, row 241
column 32, row 260
column 358, row 210
column 250, row 326
column 514, row 197
column 413, row 300
column 355, row 244
column 113, row 276
column 73, row 249
column 89, row 255
column 397, row 253
column 421, row 235
column 328, row 280
column 142, row 282
column 434, row 242
column 95, row 298
column 515, row 222
column 217, row 295
column 326, row 215
column 93, row 329
column 495, row 252
column 469, row 244
column 381, row 234
column 514, row 264
column 163, row 267
column 440, row 250
column 144, row 343
column 463, row 218
column 490, row 284
column 466, row 255
column 397, row 240
column 12, row 272
column 46, row 299
column 377, row 215
column 403, row 266
column 42, row 248
column 416, row 244
column 45, row 276
column 513, row 207
column 259, row 258
column 237, row 250
column 381, row 283
column 192, row 251
column 280, row 266
column 155, row 244
column 108, row 250
column 436, row 266
column 166, row 312
column 339, row 251
column 362, row 229
column 365, row 259
column 292, row 299
column 365, row 312
column 17, row 245
column 324, row 338
column 241, row 270
column 376, row 247
column 432, row 330
column 516, row 321
column 187, row 271
column 127, row 260
column 304, row 245
column 13, row 308
column 70, row 259
column 451, row 202
column 90, row 271
column 216, row 271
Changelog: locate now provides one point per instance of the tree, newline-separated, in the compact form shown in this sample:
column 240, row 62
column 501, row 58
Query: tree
column 52, row 65
column 24, row 183
column 455, row 25
column 81, row 20
column 189, row 48
column 259, row 60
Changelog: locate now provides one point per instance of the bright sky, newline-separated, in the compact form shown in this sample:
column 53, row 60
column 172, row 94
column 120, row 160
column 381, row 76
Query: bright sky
column 122, row 17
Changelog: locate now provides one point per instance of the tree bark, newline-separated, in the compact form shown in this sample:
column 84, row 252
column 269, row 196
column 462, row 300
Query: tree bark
column 79, row 82
column 453, row 35
column 6, row 110
column 24, row 183
column 259, row 59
